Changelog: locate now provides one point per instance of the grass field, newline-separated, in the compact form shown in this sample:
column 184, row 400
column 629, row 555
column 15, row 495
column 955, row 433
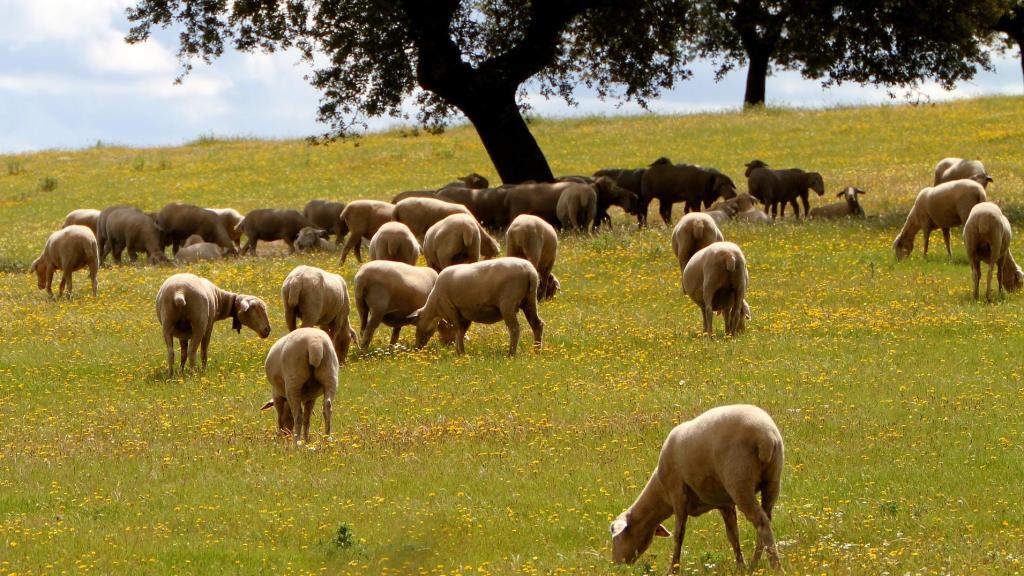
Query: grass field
column 899, row 398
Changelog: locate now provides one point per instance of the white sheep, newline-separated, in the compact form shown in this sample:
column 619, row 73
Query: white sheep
column 943, row 206
column 849, row 207
column 312, row 239
column 694, row 231
column 717, row 461
column 531, row 238
column 716, row 279
column 319, row 298
column 987, row 237
column 231, row 220
column 949, row 169
column 301, row 366
column 68, row 249
column 577, row 206
column 87, row 217
column 389, row 292
column 419, row 214
column 187, row 306
column 394, row 241
column 362, row 218
column 195, row 249
column 457, row 239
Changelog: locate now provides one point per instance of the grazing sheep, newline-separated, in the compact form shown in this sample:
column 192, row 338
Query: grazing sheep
column 419, row 214
column 694, row 231
column 394, row 241
column 84, row 216
column 389, row 292
column 312, row 239
column 361, row 219
column 319, row 298
column 779, row 187
column 179, row 221
column 577, row 207
column 849, row 208
column 670, row 183
column 717, row 461
column 943, row 207
column 68, row 249
column 538, row 199
column 230, row 219
column 531, row 238
column 195, row 250
column 454, row 240
column 326, row 215
column 269, row 224
column 949, row 169
column 301, row 366
column 716, row 279
column 987, row 237
column 484, row 292
column 122, row 228
column 187, row 306
column 630, row 181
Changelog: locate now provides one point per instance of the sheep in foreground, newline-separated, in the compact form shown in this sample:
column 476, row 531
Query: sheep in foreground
column 484, row 292
column 694, row 231
column 361, row 219
column 394, row 241
column 987, row 237
column 419, row 214
column 716, row 279
column 84, row 216
column 531, row 238
column 195, row 250
column 389, row 292
column 849, row 207
column 457, row 239
column 949, row 169
column 943, row 207
column 312, row 239
column 68, row 249
column 577, row 207
column 187, row 306
column 319, row 298
column 717, row 461
column 301, row 366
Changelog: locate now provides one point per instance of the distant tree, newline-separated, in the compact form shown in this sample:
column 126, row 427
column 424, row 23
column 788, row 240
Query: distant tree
column 1011, row 23
column 469, row 56
column 893, row 43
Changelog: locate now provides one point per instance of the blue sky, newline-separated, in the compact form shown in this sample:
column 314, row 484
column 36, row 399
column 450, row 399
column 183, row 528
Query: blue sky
column 68, row 80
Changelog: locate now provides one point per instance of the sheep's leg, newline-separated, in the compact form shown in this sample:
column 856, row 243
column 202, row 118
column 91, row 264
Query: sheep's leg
column 349, row 245
column 394, row 335
column 665, row 211
column 207, row 331
column 292, row 391
column 535, row 322
column 49, row 282
column 461, row 327
column 359, row 250
column 796, row 208
column 183, row 343
column 284, row 413
column 169, row 341
column 999, row 281
column 250, row 246
column 732, row 532
column 328, row 404
column 976, row 276
column 927, row 237
column 807, row 205
column 945, row 238
column 307, row 412
column 63, row 283
column 289, row 317
column 69, row 275
column 988, row 283
column 370, row 325
column 763, row 524
column 512, row 323
column 93, row 270
column 677, row 539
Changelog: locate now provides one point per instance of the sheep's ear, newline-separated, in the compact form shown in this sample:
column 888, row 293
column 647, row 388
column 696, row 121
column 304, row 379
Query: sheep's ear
column 269, row 404
column 858, row 191
column 243, row 305
column 662, row 532
column 618, row 527
column 841, row 193
column 988, row 179
column 414, row 316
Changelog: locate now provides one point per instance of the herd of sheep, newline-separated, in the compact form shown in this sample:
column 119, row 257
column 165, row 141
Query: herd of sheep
column 717, row 461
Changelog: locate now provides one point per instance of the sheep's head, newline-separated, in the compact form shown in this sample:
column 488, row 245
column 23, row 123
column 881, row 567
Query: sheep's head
column 724, row 186
column 157, row 257
column 619, row 196
column 744, row 202
column 251, row 312
column 630, row 541
column 193, row 239
column 39, row 268
column 903, row 246
column 1011, row 277
column 309, row 238
column 753, row 165
column 474, row 180
column 662, row 161
column 548, row 290
column 426, row 325
column 446, row 333
column 816, row 183
column 983, row 179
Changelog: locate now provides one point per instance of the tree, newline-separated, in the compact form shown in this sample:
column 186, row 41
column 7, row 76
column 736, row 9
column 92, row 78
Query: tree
column 895, row 43
column 471, row 56
column 1011, row 23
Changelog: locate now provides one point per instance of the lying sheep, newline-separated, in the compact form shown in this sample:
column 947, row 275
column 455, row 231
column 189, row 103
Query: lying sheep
column 419, row 214
column 230, row 219
column 848, row 208
column 313, row 240
column 753, row 216
column 531, row 238
column 122, row 228
column 326, row 215
column 361, row 219
column 716, row 279
column 719, row 460
column 195, row 250
column 694, row 231
column 943, row 207
column 68, row 249
column 987, row 237
column 484, row 292
column 389, row 292
column 83, row 216
column 394, row 241
column 187, row 306
column 269, row 224
column 457, row 239
column 720, row 215
column 949, row 169
column 301, row 366
column 577, row 207
column 319, row 298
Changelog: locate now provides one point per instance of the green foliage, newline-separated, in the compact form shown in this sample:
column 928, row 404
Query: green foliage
column 48, row 184
column 14, row 168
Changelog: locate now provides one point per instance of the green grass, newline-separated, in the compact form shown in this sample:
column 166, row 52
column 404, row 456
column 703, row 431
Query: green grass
column 898, row 397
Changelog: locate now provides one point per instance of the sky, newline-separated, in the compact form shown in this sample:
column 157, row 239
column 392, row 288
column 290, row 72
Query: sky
column 68, row 80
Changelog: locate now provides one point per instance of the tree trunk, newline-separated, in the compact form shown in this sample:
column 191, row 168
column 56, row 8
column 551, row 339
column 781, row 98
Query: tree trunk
column 508, row 141
column 757, row 77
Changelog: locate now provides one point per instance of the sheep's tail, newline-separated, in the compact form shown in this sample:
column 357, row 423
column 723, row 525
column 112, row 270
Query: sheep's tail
column 730, row 262
column 467, row 237
column 292, row 293
column 316, row 355
column 698, row 230
column 767, row 449
column 179, row 299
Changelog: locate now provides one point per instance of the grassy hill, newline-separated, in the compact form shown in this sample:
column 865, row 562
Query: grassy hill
column 898, row 397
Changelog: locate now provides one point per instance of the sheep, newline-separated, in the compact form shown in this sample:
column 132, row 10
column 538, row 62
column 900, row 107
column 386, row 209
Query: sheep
column 269, row 224
column 195, row 250
column 187, row 307
column 126, row 227
column 301, row 366
column 389, row 292
column 694, row 231
column 531, row 238
column 312, row 239
column 849, row 208
column 538, row 199
column 419, row 214
column 775, row 187
column 722, row 214
column 719, row 460
column 179, row 221
column 230, row 219
column 484, row 292
column 457, row 239
column 577, row 207
column 670, row 183
column 318, row 298
column 361, row 219
column 943, row 206
column 716, row 279
column 68, row 249
column 949, row 169
column 326, row 215
column 753, row 216
column 987, row 237
column 85, row 216
column 394, row 241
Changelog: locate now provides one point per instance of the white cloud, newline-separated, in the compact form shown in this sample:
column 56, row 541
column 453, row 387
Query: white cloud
column 108, row 52
column 34, row 21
